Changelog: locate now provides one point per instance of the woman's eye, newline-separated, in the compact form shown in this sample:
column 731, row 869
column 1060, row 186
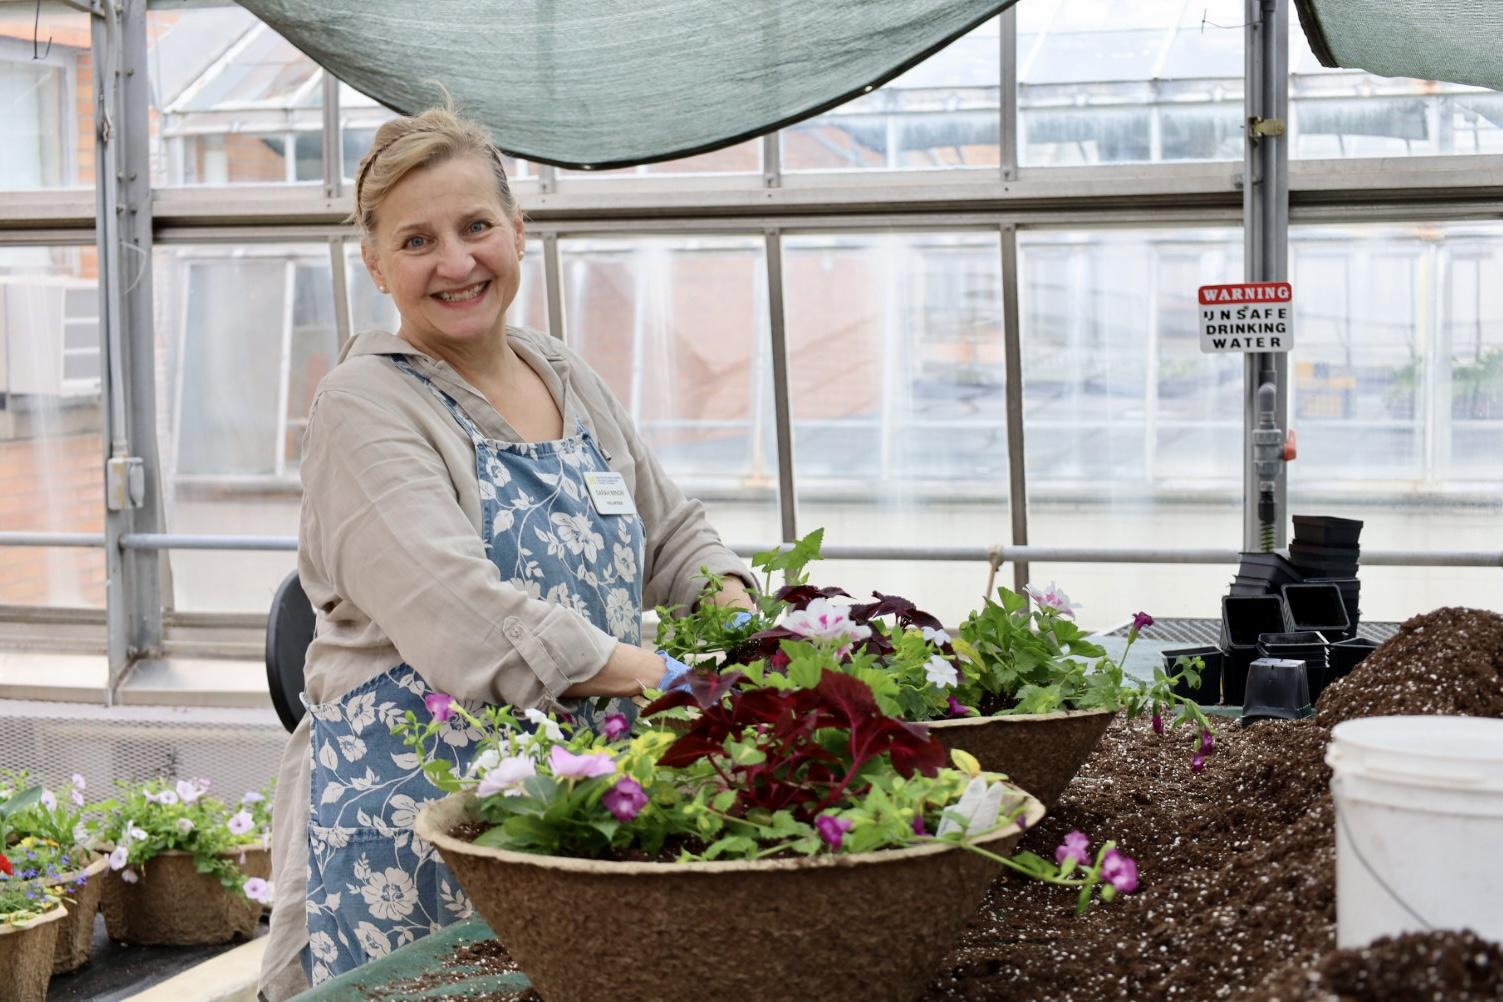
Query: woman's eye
column 479, row 226
column 414, row 243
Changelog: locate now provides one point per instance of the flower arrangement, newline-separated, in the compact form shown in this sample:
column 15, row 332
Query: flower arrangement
column 761, row 772
column 58, row 828
column 147, row 819
column 29, row 876
column 1007, row 658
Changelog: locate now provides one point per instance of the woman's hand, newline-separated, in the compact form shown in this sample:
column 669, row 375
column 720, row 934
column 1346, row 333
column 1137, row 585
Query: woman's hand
column 733, row 593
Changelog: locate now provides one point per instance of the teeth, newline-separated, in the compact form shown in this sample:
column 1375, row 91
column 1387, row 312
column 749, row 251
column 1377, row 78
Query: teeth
column 462, row 294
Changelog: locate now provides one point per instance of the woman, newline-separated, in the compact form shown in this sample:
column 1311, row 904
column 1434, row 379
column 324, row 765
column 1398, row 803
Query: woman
column 480, row 519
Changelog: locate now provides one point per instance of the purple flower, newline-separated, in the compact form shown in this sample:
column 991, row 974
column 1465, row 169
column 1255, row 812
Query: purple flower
column 1207, row 743
column 614, row 725
column 1158, row 723
column 958, row 709
column 76, row 796
column 1075, row 846
column 441, row 705
column 1198, row 762
column 832, row 829
column 1120, row 871
column 626, row 799
column 567, row 765
column 918, row 825
column 117, row 858
column 1141, row 620
column 241, row 823
column 258, row 890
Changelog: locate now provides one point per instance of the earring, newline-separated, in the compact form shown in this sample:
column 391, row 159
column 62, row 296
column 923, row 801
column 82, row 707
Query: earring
column 380, row 288
column 521, row 255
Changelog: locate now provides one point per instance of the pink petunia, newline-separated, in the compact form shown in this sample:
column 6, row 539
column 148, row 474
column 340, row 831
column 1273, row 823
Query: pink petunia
column 567, row 765
column 1120, row 871
column 440, row 705
column 832, row 829
column 614, row 725
column 625, row 800
column 1076, row 846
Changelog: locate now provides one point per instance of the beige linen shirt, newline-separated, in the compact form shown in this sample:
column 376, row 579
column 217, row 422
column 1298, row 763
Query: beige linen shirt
column 391, row 557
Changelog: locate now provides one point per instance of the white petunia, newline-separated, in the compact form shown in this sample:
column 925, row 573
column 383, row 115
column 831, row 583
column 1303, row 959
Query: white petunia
column 129, row 876
column 184, row 825
column 49, row 800
column 823, row 620
column 117, row 857
column 549, row 728
column 78, row 781
column 188, row 790
column 940, row 672
column 936, row 637
column 241, row 823
column 507, row 777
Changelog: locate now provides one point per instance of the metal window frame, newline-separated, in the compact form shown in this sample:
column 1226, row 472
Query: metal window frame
column 771, row 203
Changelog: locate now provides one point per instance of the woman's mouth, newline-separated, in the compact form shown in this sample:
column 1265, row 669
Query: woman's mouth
column 465, row 295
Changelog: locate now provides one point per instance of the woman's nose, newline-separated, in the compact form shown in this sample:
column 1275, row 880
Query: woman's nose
column 455, row 260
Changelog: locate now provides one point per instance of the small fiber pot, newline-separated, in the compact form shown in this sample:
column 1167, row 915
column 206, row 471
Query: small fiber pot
column 1276, row 690
column 172, row 904
column 873, row 926
column 75, row 933
column 1040, row 752
column 26, row 956
column 1209, row 691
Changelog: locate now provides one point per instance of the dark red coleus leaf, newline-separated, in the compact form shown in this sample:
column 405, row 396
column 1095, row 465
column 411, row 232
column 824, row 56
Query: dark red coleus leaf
column 799, row 596
column 906, row 613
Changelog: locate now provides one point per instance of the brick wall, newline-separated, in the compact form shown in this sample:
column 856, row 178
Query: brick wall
column 52, row 485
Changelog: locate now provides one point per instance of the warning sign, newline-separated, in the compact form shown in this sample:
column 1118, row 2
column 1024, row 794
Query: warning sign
column 1251, row 316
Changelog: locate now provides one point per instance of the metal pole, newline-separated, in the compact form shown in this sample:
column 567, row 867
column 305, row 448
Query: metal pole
column 781, row 406
column 136, row 583
column 1017, row 456
column 553, row 283
column 1265, row 220
column 1007, row 95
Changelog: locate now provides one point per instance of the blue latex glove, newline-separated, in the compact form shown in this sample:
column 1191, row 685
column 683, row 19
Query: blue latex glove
column 741, row 618
column 675, row 673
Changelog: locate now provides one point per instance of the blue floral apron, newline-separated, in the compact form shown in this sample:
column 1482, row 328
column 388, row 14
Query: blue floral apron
column 372, row 884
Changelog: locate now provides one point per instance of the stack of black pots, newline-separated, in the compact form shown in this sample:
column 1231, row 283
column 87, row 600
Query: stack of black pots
column 1303, row 608
column 1325, row 550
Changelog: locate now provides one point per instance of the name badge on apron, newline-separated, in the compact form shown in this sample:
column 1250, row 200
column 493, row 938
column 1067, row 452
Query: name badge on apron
column 609, row 494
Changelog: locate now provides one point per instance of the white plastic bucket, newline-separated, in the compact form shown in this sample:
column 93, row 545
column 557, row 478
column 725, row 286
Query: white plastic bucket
column 1419, row 826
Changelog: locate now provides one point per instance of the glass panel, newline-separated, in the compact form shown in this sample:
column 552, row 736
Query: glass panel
column 896, row 371
column 1398, row 382
column 1134, row 437
column 1336, row 112
column 46, row 114
column 677, row 327
column 743, row 158
column 940, row 114
column 233, row 101
column 1105, row 82
column 51, row 452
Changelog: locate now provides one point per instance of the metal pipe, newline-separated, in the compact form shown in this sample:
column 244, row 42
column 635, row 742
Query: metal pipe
column 781, row 404
column 981, row 554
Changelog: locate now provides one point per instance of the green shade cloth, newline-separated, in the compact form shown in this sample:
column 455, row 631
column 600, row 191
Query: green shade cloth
column 390, row 978
column 1457, row 41
column 612, row 83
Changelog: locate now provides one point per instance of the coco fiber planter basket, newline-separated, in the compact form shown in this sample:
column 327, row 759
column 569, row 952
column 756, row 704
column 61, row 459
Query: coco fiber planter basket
column 26, row 956
column 75, row 934
column 1041, row 752
column 172, row 904
column 873, row 926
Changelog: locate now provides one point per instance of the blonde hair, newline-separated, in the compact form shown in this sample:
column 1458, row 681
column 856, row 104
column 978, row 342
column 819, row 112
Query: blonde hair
column 411, row 142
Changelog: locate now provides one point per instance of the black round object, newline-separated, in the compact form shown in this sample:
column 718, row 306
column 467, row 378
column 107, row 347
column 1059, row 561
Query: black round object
column 289, row 631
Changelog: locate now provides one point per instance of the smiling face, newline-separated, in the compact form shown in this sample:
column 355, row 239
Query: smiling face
column 446, row 250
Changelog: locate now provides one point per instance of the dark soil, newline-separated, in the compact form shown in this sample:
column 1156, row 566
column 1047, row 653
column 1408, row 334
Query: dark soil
column 1236, row 863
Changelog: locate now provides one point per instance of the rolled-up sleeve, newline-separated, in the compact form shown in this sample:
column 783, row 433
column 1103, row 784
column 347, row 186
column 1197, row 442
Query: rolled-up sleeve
column 383, row 521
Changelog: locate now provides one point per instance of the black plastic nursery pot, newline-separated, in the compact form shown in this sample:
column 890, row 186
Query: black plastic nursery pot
column 1307, row 647
column 1347, row 654
column 1234, row 664
column 1208, row 693
column 1323, row 561
column 1277, row 689
column 1269, row 567
column 1351, row 592
column 1245, row 617
column 1316, row 607
column 1327, row 530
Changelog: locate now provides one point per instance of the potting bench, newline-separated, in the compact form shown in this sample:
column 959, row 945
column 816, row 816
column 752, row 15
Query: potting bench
column 390, row 978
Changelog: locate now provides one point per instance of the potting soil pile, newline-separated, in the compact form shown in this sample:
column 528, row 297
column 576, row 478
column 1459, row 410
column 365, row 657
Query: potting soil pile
column 1237, row 863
